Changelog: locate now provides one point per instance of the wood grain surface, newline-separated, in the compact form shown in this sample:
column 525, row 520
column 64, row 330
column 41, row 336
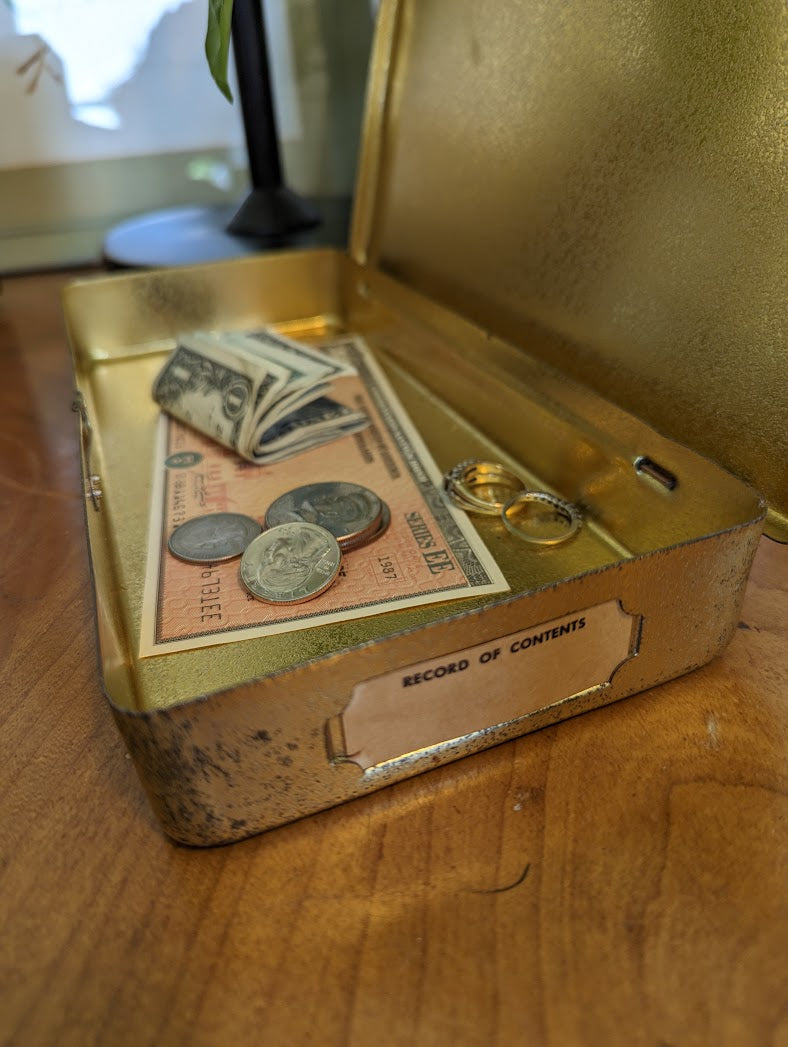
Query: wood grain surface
column 617, row 879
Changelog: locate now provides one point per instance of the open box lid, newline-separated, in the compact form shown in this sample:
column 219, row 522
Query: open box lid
column 603, row 185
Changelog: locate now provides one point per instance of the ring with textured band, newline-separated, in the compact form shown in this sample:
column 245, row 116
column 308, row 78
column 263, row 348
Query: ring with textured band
column 479, row 486
column 541, row 517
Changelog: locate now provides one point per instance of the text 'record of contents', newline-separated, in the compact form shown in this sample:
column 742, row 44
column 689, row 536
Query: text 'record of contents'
column 470, row 690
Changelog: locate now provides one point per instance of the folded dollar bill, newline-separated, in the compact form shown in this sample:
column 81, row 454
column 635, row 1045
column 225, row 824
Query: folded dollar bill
column 259, row 393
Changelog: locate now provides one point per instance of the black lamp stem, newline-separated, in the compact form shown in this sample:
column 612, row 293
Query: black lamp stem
column 271, row 209
column 250, row 50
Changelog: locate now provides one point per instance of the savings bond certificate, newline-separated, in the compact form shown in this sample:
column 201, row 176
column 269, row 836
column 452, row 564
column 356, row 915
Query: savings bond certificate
column 430, row 551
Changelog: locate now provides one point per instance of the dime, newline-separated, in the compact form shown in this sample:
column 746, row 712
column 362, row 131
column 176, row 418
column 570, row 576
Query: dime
column 350, row 512
column 213, row 538
column 541, row 518
column 291, row 563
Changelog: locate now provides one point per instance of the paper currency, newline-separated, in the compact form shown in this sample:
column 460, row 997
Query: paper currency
column 427, row 550
column 258, row 393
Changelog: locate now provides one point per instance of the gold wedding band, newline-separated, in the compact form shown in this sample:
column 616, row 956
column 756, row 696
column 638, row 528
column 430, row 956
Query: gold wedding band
column 481, row 487
column 541, row 518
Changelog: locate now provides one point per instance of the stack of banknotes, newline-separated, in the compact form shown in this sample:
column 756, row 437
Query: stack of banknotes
column 257, row 392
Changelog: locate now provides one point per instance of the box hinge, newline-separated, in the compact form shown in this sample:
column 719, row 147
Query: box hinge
column 92, row 480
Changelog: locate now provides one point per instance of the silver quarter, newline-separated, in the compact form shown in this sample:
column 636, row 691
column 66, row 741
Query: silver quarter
column 349, row 511
column 213, row 538
column 291, row 563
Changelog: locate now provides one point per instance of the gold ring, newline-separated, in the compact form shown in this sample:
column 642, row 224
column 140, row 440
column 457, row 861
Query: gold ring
column 541, row 518
column 481, row 487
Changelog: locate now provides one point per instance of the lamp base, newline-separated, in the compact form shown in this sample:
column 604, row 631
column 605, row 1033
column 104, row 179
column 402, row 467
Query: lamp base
column 273, row 211
column 191, row 235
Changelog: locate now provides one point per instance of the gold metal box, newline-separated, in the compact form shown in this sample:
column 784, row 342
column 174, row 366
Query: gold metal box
column 566, row 254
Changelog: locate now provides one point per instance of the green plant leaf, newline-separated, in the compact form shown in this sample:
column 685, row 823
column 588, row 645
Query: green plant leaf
column 217, row 43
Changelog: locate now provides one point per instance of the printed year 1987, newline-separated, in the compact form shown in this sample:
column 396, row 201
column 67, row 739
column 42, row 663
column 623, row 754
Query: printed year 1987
column 387, row 568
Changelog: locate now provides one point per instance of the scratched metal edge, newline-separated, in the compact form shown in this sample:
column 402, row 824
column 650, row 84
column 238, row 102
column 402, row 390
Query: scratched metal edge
column 226, row 766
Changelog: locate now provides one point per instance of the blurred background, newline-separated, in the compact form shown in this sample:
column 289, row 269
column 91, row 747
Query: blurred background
column 109, row 112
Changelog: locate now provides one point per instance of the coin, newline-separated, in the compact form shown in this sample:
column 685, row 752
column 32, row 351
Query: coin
column 350, row 512
column 365, row 539
column 541, row 518
column 213, row 538
column 481, row 487
column 291, row 563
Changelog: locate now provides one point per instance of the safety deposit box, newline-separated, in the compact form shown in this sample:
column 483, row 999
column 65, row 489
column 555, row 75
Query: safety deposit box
column 564, row 260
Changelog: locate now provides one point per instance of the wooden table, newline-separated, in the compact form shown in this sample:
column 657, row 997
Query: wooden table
column 616, row 879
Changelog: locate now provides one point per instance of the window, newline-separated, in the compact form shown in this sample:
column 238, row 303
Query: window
column 109, row 111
